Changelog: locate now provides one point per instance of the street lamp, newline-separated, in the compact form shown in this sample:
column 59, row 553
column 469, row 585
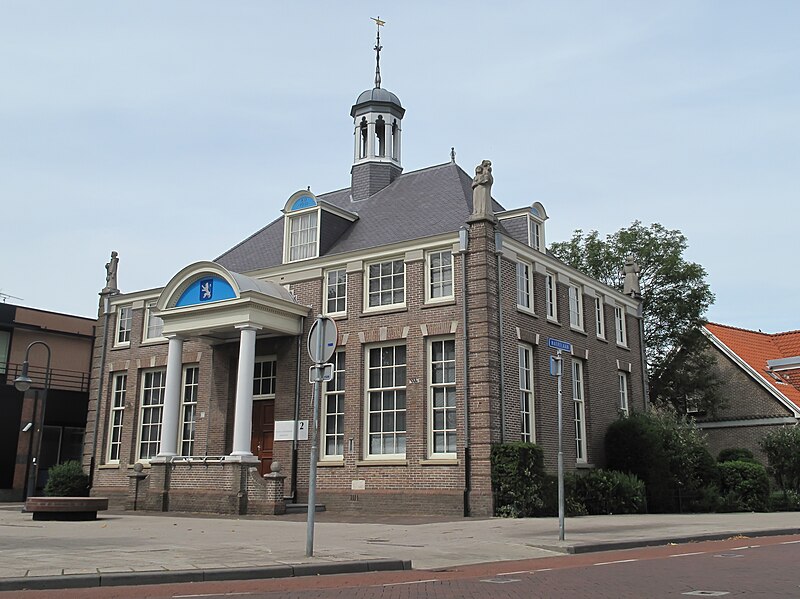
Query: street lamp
column 22, row 383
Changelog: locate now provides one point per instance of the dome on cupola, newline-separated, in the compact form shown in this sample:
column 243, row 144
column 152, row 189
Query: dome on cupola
column 378, row 97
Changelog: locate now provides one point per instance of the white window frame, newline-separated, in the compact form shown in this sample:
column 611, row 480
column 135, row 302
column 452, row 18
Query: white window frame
column 258, row 363
column 334, row 390
column 124, row 326
column 442, row 377
column 525, row 286
column 303, row 242
column 527, row 408
column 116, row 417
column 397, row 389
column 381, row 277
column 445, row 277
column 575, row 307
column 337, row 285
column 622, row 379
column 551, row 295
column 600, row 317
column 619, row 321
column 153, row 423
column 188, row 425
column 150, row 319
column 579, row 404
column 535, row 233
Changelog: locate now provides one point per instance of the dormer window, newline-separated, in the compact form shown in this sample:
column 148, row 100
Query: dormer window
column 536, row 218
column 301, row 235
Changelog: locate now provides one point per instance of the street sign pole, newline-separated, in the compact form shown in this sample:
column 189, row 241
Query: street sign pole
column 560, row 454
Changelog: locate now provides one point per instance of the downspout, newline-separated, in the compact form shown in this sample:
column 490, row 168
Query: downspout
column 498, row 249
column 100, row 381
column 643, row 355
column 463, row 240
column 296, row 411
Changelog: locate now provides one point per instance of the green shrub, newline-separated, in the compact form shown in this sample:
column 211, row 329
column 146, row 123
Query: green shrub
column 610, row 492
column 784, row 501
column 573, row 506
column 736, row 454
column 744, row 487
column 67, row 480
column 783, row 455
column 517, row 479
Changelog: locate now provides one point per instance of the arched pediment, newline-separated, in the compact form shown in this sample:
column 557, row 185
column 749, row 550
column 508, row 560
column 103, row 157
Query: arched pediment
column 199, row 283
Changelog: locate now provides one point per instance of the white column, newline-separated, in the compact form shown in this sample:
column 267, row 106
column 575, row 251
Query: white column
column 243, row 417
column 371, row 139
column 172, row 399
column 396, row 142
column 357, row 136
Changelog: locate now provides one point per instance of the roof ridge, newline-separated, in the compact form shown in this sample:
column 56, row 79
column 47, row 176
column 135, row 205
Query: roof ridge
column 728, row 326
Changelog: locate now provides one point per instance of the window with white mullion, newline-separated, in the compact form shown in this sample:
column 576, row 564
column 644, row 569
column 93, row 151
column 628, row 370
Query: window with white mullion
column 153, row 386
column 386, row 401
column 336, row 285
column 189, row 409
column 619, row 319
column 264, row 377
column 524, row 286
column 575, row 307
column 303, row 236
column 527, row 422
column 622, row 378
column 440, row 275
column 333, row 410
column 386, row 283
column 124, row 323
column 580, row 411
column 442, row 397
column 534, row 234
column 116, row 416
column 551, row 296
column 154, row 325
column 600, row 317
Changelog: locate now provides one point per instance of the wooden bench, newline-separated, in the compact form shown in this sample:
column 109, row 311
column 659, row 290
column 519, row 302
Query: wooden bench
column 65, row 508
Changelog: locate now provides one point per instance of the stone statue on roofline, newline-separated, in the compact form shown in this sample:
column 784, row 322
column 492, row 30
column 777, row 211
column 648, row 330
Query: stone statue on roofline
column 111, row 275
column 630, row 271
column 482, row 192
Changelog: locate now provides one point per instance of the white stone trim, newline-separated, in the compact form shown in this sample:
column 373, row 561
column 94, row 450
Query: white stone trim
column 787, row 420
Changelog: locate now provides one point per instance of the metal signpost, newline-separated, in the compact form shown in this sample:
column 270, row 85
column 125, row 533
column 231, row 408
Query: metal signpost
column 322, row 340
column 556, row 369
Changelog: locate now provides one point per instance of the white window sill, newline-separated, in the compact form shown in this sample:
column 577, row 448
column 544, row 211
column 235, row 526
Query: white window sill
column 527, row 311
column 154, row 341
column 377, row 462
column 553, row 320
column 331, row 463
column 122, row 345
column 623, row 346
column 109, row 466
column 446, row 301
column 385, row 309
column 580, row 330
column 443, row 461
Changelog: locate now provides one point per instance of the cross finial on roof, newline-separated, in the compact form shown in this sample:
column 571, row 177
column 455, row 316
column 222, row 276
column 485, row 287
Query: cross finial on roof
column 378, row 49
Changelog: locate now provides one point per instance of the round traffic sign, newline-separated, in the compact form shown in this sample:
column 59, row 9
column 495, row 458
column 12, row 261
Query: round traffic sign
column 322, row 339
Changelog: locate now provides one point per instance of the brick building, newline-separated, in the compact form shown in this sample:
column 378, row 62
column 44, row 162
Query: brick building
column 444, row 303
column 760, row 374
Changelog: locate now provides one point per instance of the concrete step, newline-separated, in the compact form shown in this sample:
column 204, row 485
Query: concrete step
column 298, row 508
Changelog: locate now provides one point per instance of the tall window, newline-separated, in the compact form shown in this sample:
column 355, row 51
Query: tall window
column 333, row 406
column 153, row 382
column 386, row 400
column 623, row 392
column 527, row 430
column 600, row 317
column 336, row 296
column 115, row 417
column 442, row 397
column 303, row 236
column 535, row 234
column 189, row 409
column 124, row 322
column 551, row 297
column 580, row 419
column 153, row 325
column 440, row 275
column 524, row 287
column 619, row 319
column 264, row 377
column 575, row 307
column 386, row 283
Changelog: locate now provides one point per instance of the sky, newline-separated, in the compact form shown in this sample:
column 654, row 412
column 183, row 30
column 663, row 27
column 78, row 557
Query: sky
column 170, row 131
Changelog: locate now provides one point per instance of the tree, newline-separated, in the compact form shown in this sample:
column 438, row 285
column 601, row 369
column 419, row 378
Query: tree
column 782, row 447
column 675, row 297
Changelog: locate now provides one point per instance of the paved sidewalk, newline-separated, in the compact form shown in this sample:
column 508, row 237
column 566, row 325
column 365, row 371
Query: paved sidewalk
column 133, row 548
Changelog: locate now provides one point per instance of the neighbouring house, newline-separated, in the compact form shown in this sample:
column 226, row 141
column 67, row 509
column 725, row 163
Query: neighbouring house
column 48, row 424
column 760, row 375
column 445, row 302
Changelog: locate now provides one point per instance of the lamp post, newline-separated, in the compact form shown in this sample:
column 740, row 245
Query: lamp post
column 23, row 382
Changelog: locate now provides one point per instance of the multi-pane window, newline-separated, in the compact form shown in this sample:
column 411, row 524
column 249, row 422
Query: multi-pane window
column 550, row 296
column 442, row 396
column 336, row 296
column 619, row 319
column 124, row 322
column 386, row 400
column 623, row 392
column 153, row 383
column 153, row 325
column 600, row 317
column 440, row 275
column 578, row 402
column 264, row 377
column 386, row 283
column 333, row 406
column 303, row 236
column 527, row 430
column 575, row 307
column 189, row 409
column 535, row 234
column 524, row 287
column 116, row 416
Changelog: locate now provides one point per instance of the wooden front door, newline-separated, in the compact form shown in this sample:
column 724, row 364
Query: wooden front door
column 263, row 433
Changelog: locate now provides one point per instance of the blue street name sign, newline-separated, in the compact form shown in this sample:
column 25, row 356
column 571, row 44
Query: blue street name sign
column 562, row 345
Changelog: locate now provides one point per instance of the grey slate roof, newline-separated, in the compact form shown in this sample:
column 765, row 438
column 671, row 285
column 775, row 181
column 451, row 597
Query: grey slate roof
column 417, row 204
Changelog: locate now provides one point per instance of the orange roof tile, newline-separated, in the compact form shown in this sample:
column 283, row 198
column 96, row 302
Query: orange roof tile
column 755, row 348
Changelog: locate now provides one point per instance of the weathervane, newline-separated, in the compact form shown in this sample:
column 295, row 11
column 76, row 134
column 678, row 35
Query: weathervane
column 378, row 49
